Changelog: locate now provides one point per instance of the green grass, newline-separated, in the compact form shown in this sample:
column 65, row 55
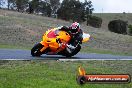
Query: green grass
column 56, row 74
column 104, row 51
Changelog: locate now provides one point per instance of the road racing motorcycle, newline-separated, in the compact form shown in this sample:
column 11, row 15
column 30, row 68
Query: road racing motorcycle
column 55, row 42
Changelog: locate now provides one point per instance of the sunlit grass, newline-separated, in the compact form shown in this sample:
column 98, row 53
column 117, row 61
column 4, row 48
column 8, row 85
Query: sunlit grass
column 56, row 74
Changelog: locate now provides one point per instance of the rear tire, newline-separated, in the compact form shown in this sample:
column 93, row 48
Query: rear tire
column 35, row 51
column 67, row 54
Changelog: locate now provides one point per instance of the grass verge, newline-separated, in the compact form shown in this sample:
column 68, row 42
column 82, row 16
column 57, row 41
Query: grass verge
column 56, row 74
column 104, row 51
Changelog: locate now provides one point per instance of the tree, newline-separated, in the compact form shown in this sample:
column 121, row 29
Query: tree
column 40, row 7
column 34, row 6
column 75, row 10
column 37, row 6
column 78, row 11
column 95, row 21
column 118, row 26
column 63, row 12
column 130, row 29
column 30, row 7
column 70, row 10
column 54, row 5
column 1, row 3
column 11, row 4
column 48, row 10
column 8, row 4
column 45, row 8
column 19, row 5
column 88, row 9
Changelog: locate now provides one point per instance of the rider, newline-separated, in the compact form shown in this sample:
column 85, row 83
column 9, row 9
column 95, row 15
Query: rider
column 75, row 33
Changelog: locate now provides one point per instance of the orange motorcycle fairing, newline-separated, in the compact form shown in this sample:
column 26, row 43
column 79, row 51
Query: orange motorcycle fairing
column 45, row 46
column 50, row 40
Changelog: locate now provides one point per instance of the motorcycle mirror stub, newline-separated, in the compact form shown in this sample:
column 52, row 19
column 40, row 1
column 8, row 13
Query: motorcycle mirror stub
column 86, row 37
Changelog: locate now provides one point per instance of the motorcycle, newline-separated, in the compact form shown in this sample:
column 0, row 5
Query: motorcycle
column 55, row 42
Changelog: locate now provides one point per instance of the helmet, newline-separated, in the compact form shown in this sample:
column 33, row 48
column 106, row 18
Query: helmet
column 75, row 28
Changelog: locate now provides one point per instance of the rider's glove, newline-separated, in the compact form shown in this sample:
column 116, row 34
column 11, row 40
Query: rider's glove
column 71, row 46
column 80, row 42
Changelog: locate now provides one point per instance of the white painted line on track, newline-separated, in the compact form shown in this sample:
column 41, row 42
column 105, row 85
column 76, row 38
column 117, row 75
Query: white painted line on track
column 89, row 59
column 15, row 59
column 64, row 59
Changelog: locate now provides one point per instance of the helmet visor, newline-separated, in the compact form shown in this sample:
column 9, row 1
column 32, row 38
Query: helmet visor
column 73, row 30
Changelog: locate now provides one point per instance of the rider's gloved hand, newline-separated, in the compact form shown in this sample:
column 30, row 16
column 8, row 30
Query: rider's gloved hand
column 71, row 46
column 80, row 42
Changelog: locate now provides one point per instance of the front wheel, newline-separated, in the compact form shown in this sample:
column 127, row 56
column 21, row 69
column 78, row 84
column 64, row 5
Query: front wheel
column 35, row 51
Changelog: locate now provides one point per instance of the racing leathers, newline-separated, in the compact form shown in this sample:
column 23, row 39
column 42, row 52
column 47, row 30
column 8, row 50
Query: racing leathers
column 75, row 38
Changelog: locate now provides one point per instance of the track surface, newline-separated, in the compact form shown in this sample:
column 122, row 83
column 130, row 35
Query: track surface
column 17, row 54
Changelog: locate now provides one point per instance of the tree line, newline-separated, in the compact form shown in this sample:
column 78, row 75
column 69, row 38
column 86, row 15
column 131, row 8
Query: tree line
column 72, row 10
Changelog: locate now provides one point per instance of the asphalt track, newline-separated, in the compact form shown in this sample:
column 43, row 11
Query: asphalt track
column 17, row 54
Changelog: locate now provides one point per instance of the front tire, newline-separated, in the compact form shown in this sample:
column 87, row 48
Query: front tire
column 35, row 51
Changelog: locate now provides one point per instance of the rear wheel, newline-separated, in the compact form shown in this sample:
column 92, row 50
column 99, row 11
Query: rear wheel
column 67, row 54
column 35, row 51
